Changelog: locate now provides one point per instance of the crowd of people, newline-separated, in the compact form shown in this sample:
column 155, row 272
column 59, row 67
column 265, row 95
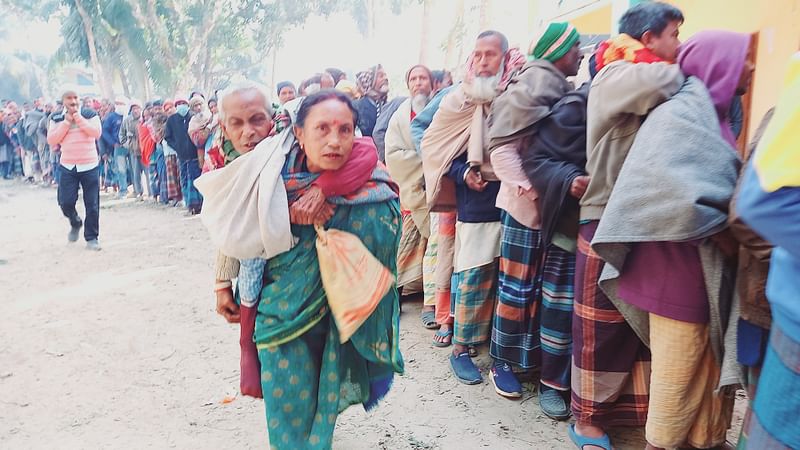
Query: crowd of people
column 608, row 236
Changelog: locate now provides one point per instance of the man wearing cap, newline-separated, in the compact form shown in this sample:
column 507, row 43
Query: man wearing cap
column 129, row 139
column 176, row 134
column 533, row 319
column 76, row 132
column 374, row 85
column 417, row 251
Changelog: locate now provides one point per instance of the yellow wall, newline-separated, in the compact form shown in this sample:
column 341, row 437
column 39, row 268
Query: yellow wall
column 594, row 22
column 778, row 25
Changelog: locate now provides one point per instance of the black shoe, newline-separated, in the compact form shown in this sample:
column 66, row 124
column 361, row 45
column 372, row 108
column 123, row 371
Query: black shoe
column 74, row 233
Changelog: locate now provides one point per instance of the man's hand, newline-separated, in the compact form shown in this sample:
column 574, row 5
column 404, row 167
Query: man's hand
column 69, row 115
column 226, row 306
column 475, row 181
column 306, row 209
column 579, row 185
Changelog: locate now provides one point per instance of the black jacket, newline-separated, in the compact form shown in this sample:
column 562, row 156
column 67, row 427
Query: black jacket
column 176, row 134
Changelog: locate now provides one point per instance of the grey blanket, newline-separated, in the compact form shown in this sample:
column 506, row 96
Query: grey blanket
column 675, row 185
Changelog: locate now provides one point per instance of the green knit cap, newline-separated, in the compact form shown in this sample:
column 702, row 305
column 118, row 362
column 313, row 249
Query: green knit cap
column 554, row 43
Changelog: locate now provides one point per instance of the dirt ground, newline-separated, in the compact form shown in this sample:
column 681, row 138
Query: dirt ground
column 122, row 349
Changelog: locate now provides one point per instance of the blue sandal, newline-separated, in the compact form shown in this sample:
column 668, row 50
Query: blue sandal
column 429, row 320
column 448, row 335
column 582, row 441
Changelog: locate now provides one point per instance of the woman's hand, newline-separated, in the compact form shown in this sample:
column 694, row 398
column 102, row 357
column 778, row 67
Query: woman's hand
column 307, row 208
column 226, row 305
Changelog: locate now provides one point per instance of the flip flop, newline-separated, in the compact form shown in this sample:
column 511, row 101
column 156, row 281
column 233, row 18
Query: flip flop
column 582, row 441
column 429, row 320
column 443, row 334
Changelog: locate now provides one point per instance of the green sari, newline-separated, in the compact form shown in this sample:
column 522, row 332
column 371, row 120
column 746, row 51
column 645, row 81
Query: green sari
column 307, row 376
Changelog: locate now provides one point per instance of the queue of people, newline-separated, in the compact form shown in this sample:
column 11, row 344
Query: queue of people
column 588, row 233
column 608, row 236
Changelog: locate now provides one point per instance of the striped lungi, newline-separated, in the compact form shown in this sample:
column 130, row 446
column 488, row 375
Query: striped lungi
column 173, row 178
column 473, row 304
column 429, row 264
column 610, row 364
column 410, row 256
column 190, row 171
column 533, row 321
column 774, row 421
column 443, row 274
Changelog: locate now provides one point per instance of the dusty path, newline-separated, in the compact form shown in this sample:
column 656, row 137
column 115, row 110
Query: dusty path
column 123, row 349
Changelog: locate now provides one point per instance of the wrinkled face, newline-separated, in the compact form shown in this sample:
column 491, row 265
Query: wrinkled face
column 286, row 94
column 136, row 112
column 381, row 81
column 419, row 82
column 666, row 45
column 487, row 56
column 327, row 135
column 247, row 121
column 570, row 63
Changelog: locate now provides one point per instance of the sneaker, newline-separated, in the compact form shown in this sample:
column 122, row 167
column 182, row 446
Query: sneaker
column 93, row 245
column 464, row 369
column 552, row 403
column 74, row 233
column 504, row 380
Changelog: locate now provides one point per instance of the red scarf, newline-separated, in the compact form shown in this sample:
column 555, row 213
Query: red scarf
column 623, row 48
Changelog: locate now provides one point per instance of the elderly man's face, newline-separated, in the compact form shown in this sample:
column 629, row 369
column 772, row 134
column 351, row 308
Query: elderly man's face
column 419, row 82
column 197, row 108
column 286, row 95
column 487, row 56
column 247, row 121
column 381, row 81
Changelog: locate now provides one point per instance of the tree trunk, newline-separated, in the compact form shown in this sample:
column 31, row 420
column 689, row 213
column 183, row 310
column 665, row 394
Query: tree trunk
column 427, row 5
column 452, row 37
column 484, row 14
column 126, row 85
column 102, row 77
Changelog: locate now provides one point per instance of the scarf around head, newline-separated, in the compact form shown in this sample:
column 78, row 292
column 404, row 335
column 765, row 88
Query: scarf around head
column 717, row 59
column 366, row 83
column 554, row 43
column 623, row 48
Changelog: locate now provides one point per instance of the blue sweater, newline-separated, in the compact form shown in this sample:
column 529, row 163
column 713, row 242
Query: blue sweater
column 776, row 217
column 111, row 128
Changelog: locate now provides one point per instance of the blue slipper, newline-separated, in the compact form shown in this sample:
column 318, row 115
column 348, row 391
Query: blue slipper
column 464, row 369
column 582, row 441
column 446, row 336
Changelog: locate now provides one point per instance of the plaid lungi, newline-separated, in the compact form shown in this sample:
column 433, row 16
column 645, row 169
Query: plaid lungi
column 429, row 263
column 473, row 303
column 173, row 178
column 533, row 321
column 773, row 424
column 610, row 364
column 409, row 257
column 190, row 171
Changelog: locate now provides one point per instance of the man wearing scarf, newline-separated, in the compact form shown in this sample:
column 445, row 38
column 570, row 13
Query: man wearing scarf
column 532, row 325
column 459, row 176
column 417, row 254
column 611, row 365
column 374, row 85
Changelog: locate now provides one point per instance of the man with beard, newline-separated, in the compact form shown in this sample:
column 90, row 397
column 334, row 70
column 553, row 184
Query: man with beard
column 374, row 85
column 417, row 253
column 459, row 175
column 532, row 326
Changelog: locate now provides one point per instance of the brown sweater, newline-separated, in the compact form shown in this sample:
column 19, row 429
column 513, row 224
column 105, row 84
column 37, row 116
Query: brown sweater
column 622, row 94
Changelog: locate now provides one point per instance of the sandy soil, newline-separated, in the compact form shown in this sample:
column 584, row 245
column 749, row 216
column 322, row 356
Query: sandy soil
column 123, row 349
